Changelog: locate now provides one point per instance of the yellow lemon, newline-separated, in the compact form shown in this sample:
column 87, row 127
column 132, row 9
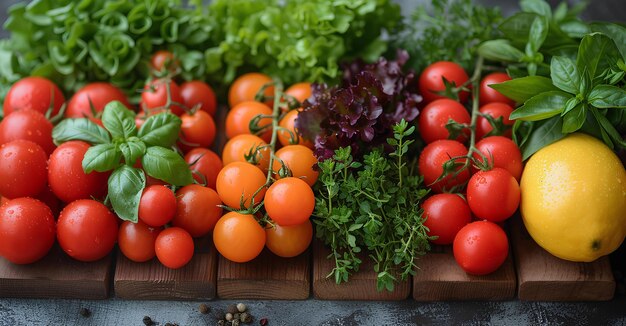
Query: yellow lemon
column 574, row 198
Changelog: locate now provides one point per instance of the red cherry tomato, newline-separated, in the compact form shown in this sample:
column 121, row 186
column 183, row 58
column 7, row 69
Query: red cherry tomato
column 445, row 215
column 501, row 152
column 493, row 195
column 434, row 117
column 157, row 205
column 431, row 163
column 205, row 164
column 154, row 96
column 174, row 247
column 197, row 129
column 431, row 80
column 67, row 178
column 97, row 95
column 495, row 110
column 198, row 92
column 33, row 93
column 87, row 230
column 490, row 95
column 136, row 241
column 27, row 125
column 197, row 209
column 23, row 167
column 27, row 230
column 162, row 60
column 480, row 248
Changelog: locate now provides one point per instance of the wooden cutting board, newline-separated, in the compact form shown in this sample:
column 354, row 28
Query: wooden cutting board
column 265, row 277
column 440, row 278
column 361, row 286
column 56, row 276
column 544, row 277
column 153, row 281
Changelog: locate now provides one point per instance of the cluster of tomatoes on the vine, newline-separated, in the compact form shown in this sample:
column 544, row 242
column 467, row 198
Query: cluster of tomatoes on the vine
column 475, row 174
column 40, row 181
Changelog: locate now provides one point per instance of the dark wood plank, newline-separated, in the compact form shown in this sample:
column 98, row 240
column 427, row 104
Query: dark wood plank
column 56, row 276
column 265, row 277
column 361, row 286
column 440, row 278
column 153, row 281
column 544, row 277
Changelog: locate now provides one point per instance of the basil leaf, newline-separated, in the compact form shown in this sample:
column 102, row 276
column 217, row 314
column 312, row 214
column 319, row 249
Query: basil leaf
column 607, row 96
column 517, row 26
column 539, row 7
column 574, row 119
column 575, row 28
column 614, row 31
column 537, row 35
column 544, row 134
column 101, row 158
column 165, row 164
column 160, row 130
column 542, row 106
column 570, row 105
column 564, row 74
column 80, row 129
column 522, row 89
column 597, row 53
column 132, row 151
column 119, row 120
column 126, row 185
column 500, row 50
column 608, row 129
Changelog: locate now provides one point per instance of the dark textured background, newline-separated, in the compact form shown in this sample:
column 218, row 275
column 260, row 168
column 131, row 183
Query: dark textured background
column 314, row 312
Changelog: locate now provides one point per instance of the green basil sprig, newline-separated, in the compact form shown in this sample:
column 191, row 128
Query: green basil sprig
column 580, row 95
column 119, row 146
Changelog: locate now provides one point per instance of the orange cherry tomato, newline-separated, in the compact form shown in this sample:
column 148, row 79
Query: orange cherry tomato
column 237, row 148
column 238, row 237
column 246, row 86
column 289, row 201
column 289, row 241
column 300, row 91
column 300, row 160
column 285, row 136
column 239, row 181
column 239, row 118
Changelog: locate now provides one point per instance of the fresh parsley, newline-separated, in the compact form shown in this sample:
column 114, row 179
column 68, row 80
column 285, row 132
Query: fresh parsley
column 373, row 205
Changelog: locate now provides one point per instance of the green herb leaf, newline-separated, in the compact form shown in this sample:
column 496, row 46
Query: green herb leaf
column 542, row 106
column 165, row 164
column 119, row 120
column 522, row 89
column 564, row 74
column 545, row 133
column 80, row 129
column 574, row 119
column 539, row 7
column 537, row 35
column 132, row 150
column 126, row 185
column 607, row 96
column 160, row 130
column 597, row 53
column 517, row 26
column 101, row 158
column 500, row 50
column 614, row 31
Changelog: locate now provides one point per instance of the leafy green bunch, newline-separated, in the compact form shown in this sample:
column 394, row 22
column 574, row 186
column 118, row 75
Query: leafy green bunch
column 119, row 146
column 77, row 42
column 570, row 75
column 448, row 30
column 296, row 40
column 372, row 205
